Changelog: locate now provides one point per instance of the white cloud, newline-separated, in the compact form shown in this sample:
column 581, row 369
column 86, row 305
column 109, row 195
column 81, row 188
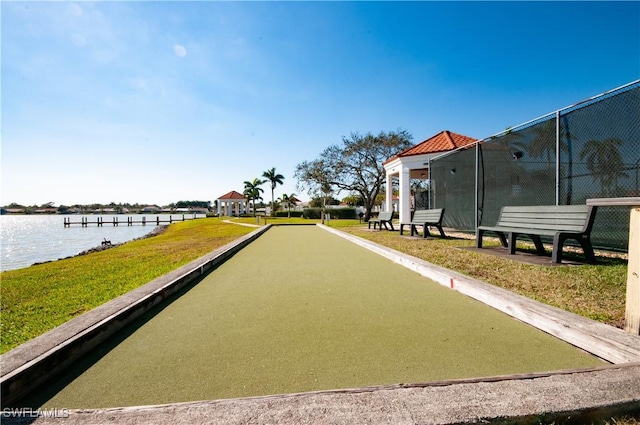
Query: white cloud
column 180, row 50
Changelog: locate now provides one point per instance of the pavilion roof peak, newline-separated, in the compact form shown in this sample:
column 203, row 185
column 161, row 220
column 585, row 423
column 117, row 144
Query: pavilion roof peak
column 232, row 195
column 444, row 141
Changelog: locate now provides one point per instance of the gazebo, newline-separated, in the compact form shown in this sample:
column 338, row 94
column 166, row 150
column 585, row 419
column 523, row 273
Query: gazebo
column 232, row 203
column 413, row 163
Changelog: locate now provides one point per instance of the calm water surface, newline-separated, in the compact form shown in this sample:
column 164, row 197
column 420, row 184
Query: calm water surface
column 28, row 239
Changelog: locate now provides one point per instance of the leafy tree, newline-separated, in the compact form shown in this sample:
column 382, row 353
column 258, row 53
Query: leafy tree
column 252, row 191
column 353, row 200
column 354, row 166
column 319, row 201
column 275, row 179
column 14, row 205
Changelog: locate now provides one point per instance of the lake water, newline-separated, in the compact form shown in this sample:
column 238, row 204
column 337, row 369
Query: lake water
column 29, row 239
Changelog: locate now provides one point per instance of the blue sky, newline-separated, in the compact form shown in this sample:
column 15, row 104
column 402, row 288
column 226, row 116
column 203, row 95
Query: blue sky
column 156, row 102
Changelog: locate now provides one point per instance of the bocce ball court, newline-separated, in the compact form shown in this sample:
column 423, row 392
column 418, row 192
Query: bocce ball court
column 301, row 309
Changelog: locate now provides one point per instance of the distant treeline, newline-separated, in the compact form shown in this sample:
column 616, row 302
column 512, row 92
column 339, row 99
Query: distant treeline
column 51, row 208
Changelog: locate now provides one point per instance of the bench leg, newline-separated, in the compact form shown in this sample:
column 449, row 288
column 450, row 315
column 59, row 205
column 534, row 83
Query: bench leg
column 401, row 228
column 439, row 227
column 503, row 239
column 479, row 234
column 558, row 242
column 390, row 225
column 538, row 243
column 512, row 242
column 585, row 243
column 413, row 229
column 426, row 231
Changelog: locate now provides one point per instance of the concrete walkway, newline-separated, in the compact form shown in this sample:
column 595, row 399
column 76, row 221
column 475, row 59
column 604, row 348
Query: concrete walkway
column 583, row 396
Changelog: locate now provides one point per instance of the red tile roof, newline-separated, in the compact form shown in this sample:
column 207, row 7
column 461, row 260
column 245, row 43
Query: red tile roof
column 442, row 142
column 232, row 195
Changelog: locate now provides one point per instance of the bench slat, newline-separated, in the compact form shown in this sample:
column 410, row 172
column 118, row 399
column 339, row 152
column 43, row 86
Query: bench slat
column 550, row 208
column 520, row 230
column 544, row 224
column 539, row 214
column 544, row 220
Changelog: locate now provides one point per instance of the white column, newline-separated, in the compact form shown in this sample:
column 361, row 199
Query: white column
column 389, row 193
column 405, row 196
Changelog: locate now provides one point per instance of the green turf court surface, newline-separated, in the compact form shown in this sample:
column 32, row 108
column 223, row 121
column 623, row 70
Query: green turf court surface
column 301, row 309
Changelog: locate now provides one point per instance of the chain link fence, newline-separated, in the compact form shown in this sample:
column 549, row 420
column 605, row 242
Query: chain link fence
column 588, row 150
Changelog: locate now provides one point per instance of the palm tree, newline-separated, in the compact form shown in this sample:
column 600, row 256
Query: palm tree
column 604, row 161
column 275, row 179
column 252, row 191
column 544, row 141
column 288, row 200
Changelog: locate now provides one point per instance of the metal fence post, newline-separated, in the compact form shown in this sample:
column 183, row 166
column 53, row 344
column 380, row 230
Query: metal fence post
column 557, row 157
column 475, row 218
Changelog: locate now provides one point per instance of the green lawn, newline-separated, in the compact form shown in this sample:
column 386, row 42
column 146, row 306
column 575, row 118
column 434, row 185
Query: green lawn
column 38, row 298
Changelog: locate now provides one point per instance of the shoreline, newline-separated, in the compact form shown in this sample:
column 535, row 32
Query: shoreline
column 158, row 230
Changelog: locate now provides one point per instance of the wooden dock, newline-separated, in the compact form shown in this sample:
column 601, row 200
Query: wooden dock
column 100, row 221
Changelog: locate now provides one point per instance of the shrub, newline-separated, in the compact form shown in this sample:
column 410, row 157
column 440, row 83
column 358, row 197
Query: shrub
column 335, row 213
column 286, row 214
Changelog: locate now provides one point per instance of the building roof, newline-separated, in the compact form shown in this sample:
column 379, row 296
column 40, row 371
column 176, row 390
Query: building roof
column 444, row 141
column 232, row 195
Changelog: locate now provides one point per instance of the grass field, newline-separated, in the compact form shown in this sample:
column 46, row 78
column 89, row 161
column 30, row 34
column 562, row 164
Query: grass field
column 301, row 309
column 38, row 298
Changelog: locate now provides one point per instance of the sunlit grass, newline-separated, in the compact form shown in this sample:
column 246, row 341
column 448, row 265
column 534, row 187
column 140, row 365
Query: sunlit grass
column 38, row 298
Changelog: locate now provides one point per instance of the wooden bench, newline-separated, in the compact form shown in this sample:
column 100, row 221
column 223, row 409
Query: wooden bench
column 561, row 222
column 425, row 218
column 383, row 219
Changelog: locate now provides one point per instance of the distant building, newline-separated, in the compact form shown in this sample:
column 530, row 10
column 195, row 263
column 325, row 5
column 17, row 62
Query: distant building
column 413, row 163
column 232, row 204
column 151, row 209
column 46, row 211
column 199, row 210
column 12, row 211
